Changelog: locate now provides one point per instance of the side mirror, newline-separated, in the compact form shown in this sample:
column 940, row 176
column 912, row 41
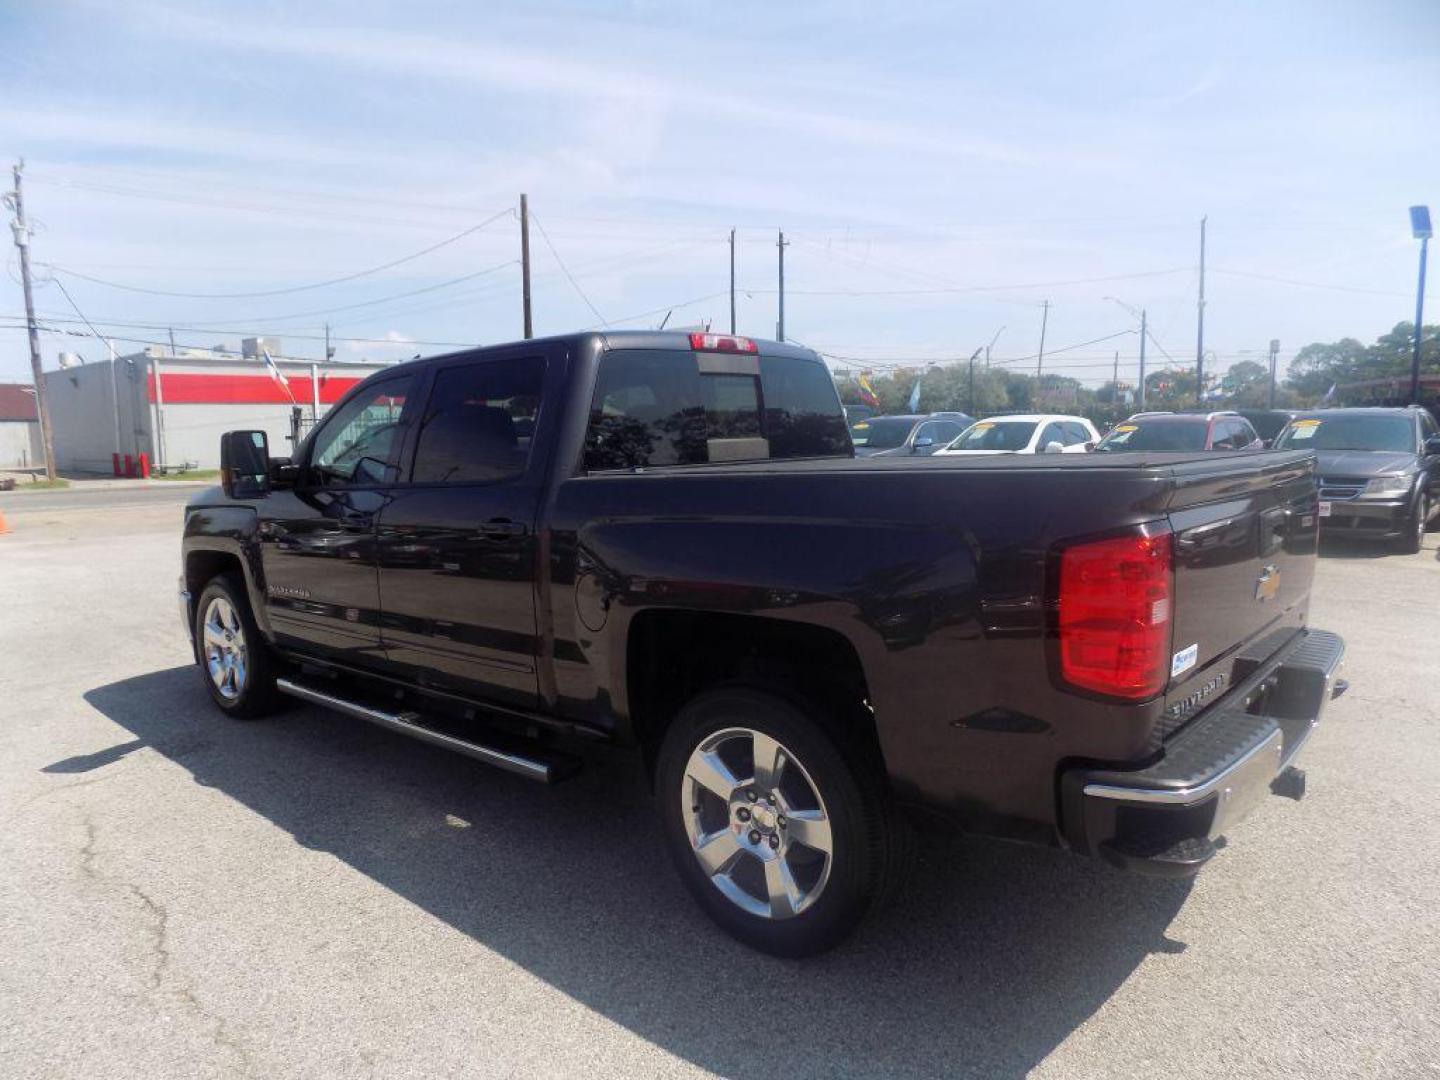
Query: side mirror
column 245, row 464
column 1432, row 446
column 1053, row 447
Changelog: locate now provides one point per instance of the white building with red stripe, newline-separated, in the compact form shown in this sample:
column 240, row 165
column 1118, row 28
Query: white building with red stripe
column 172, row 407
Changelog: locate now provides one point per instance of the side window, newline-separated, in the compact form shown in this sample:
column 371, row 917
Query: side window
column 946, row 432
column 927, row 431
column 1428, row 427
column 803, row 417
column 1052, row 433
column 1244, row 434
column 479, row 422
column 359, row 444
column 1076, row 433
column 1221, row 435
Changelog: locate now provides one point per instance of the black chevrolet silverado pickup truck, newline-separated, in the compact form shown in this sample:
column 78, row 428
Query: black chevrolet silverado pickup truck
column 664, row 540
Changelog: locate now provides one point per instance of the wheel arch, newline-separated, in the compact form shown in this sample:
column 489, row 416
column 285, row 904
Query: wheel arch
column 674, row 654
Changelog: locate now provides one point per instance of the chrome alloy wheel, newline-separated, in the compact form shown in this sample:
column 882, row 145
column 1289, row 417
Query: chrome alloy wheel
column 756, row 823
column 224, row 644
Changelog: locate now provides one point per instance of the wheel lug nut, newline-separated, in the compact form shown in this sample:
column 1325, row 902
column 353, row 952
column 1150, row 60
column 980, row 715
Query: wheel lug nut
column 750, row 795
column 780, row 821
column 774, row 842
column 770, row 799
column 743, row 814
column 754, row 836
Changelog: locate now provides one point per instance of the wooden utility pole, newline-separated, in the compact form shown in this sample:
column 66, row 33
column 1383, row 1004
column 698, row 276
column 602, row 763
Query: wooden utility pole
column 1274, row 359
column 732, row 281
column 780, row 327
column 1040, row 359
column 1144, row 333
column 22, row 241
column 525, row 263
column 1200, row 325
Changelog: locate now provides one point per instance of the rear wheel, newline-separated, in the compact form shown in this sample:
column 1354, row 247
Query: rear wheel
column 785, row 837
column 1414, row 538
column 235, row 662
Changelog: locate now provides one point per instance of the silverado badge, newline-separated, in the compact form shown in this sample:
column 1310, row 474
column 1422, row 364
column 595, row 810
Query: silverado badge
column 1268, row 585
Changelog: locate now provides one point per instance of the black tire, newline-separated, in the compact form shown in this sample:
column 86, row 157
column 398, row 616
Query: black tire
column 868, row 838
column 1414, row 538
column 256, row 696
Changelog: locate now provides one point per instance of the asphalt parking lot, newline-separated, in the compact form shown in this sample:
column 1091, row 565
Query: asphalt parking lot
column 184, row 895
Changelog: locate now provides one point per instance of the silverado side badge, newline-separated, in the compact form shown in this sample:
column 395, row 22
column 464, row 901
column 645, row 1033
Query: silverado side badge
column 1268, row 585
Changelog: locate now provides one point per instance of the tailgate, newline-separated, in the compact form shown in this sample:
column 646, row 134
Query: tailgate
column 1245, row 536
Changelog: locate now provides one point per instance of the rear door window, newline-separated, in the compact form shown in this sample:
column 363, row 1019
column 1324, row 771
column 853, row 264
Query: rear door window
column 1052, row 433
column 479, row 422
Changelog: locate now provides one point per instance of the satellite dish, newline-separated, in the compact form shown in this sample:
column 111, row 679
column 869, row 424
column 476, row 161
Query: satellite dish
column 69, row 360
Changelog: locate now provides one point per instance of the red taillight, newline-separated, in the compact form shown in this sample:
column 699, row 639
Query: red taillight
column 722, row 343
column 1115, row 615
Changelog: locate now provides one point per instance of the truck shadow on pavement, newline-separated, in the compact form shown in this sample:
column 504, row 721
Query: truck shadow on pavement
column 991, row 958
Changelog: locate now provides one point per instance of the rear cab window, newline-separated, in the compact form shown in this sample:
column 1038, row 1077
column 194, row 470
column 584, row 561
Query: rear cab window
column 660, row 407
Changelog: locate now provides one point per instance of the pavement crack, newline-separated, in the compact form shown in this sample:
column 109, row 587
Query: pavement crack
column 159, row 928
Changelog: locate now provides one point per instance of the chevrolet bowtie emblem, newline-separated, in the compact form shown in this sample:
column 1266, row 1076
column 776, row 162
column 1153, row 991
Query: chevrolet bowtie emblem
column 1268, row 585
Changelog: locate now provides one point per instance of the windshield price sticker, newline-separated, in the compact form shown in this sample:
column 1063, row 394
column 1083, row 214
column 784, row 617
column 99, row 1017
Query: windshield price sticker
column 1305, row 429
column 1128, row 427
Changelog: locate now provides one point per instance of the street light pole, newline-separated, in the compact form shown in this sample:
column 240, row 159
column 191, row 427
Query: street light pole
column 991, row 346
column 1420, row 229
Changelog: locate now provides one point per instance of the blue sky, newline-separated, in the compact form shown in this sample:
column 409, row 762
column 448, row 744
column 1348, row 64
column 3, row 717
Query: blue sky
column 940, row 169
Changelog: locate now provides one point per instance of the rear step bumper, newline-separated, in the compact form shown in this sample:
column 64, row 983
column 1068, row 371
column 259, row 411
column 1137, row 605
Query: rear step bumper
column 534, row 765
column 1165, row 819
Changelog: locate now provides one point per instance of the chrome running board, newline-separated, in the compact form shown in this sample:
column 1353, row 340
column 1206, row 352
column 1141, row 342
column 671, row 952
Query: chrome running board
column 410, row 723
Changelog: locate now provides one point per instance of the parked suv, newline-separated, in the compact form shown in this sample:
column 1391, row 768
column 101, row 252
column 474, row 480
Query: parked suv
column 1379, row 470
column 1158, row 432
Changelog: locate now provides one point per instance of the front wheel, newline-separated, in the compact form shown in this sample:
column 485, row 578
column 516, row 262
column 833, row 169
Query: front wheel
column 1414, row 538
column 234, row 660
column 784, row 837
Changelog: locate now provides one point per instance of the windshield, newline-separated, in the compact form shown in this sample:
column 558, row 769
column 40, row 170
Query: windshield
column 995, row 435
column 1159, row 436
column 1394, row 433
column 884, row 433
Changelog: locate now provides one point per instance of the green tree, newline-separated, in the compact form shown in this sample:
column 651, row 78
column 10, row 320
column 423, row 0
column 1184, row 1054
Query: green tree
column 1320, row 365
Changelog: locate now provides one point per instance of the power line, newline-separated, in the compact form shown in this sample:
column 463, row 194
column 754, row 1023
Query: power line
column 663, row 309
column 978, row 288
column 1308, row 284
column 213, row 330
column 568, row 276
column 294, row 288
